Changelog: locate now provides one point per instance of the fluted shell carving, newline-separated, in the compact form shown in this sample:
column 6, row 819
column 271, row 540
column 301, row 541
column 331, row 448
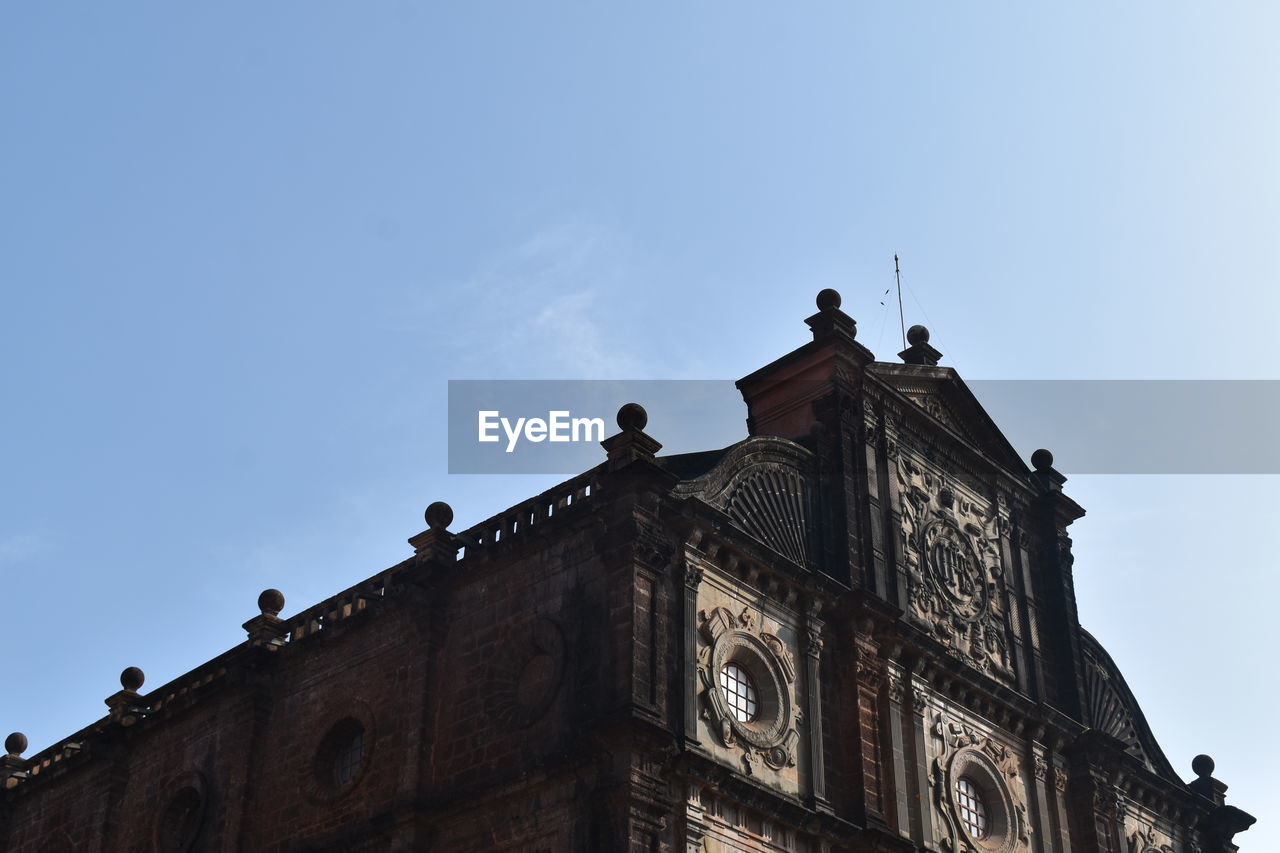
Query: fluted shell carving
column 1111, row 708
column 770, row 504
column 1107, row 709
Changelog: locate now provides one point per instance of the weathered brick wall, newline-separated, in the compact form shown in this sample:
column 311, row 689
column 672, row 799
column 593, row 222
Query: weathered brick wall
column 371, row 668
column 67, row 816
column 537, row 817
column 206, row 746
column 523, row 665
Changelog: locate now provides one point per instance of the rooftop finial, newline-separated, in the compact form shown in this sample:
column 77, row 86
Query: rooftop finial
column 132, row 678
column 271, row 602
column 1202, row 766
column 633, row 415
column 436, row 545
column 267, row 630
column 13, row 767
column 126, row 705
column 830, row 322
column 15, row 744
column 439, row 515
column 633, row 444
column 918, row 350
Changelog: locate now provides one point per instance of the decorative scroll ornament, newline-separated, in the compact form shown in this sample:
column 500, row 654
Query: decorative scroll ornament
column 957, row 586
column 994, row 771
column 1145, row 840
column 770, row 736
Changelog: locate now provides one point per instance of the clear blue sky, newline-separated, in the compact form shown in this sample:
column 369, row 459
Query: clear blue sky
column 244, row 245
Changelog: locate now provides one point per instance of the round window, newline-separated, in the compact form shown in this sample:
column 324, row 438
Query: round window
column 973, row 811
column 180, row 822
column 739, row 692
column 341, row 755
column 979, row 806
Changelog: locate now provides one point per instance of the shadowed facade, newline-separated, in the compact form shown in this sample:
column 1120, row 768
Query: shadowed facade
column 853, row 630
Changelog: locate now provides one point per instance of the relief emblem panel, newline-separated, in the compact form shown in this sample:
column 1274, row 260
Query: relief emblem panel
column 957, row 587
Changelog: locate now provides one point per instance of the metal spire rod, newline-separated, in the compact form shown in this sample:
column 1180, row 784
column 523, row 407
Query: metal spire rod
column 902, row 323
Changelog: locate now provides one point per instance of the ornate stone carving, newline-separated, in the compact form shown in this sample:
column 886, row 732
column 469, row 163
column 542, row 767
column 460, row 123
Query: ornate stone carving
column 870, row 421
column 772, row 504
column 895, row 687
column 780, row 651
column 993, row 769
column 919, row 697
column 1144, row 840
column 870, row 674
column 1111, row 709
column 693, row 576
column 653, row 548
column 525, row 678
column 813, row 642
column 771, row 736
column 952, row 556
column 1105, row 801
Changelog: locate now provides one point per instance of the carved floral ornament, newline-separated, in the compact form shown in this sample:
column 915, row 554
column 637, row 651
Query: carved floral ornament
column 770, row 735
column 952, row 556
column 1145, row 840
column 993, row 771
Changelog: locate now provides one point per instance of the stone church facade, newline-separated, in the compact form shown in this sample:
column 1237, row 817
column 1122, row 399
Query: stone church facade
column 854, row 630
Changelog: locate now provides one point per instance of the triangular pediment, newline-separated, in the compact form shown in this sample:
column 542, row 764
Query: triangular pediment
column 942, row 395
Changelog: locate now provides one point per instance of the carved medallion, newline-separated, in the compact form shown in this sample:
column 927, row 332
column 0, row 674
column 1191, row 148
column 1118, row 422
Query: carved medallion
column 956, row 572
column 950, row 549
column 971, row 765
column 746, row 675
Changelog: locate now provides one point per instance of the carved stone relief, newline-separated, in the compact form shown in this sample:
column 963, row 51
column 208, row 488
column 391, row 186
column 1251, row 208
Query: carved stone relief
column 525, row 678
column 772, row 504
column 1145, row 840
column 992, row 769
column 770, row 736
column 952, row 555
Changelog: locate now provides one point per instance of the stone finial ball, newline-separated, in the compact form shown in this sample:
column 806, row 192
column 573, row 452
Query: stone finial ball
column 828, row 299
column 15, row 743
column 439, row 515
column 917, row 335
column 271, row 602
column 1042, row 460
column 1202, row 765
column 632, row 416
column 132, row 678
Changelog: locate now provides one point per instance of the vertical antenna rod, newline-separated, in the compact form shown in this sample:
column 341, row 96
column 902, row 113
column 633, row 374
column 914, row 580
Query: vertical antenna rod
column 897, row 274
